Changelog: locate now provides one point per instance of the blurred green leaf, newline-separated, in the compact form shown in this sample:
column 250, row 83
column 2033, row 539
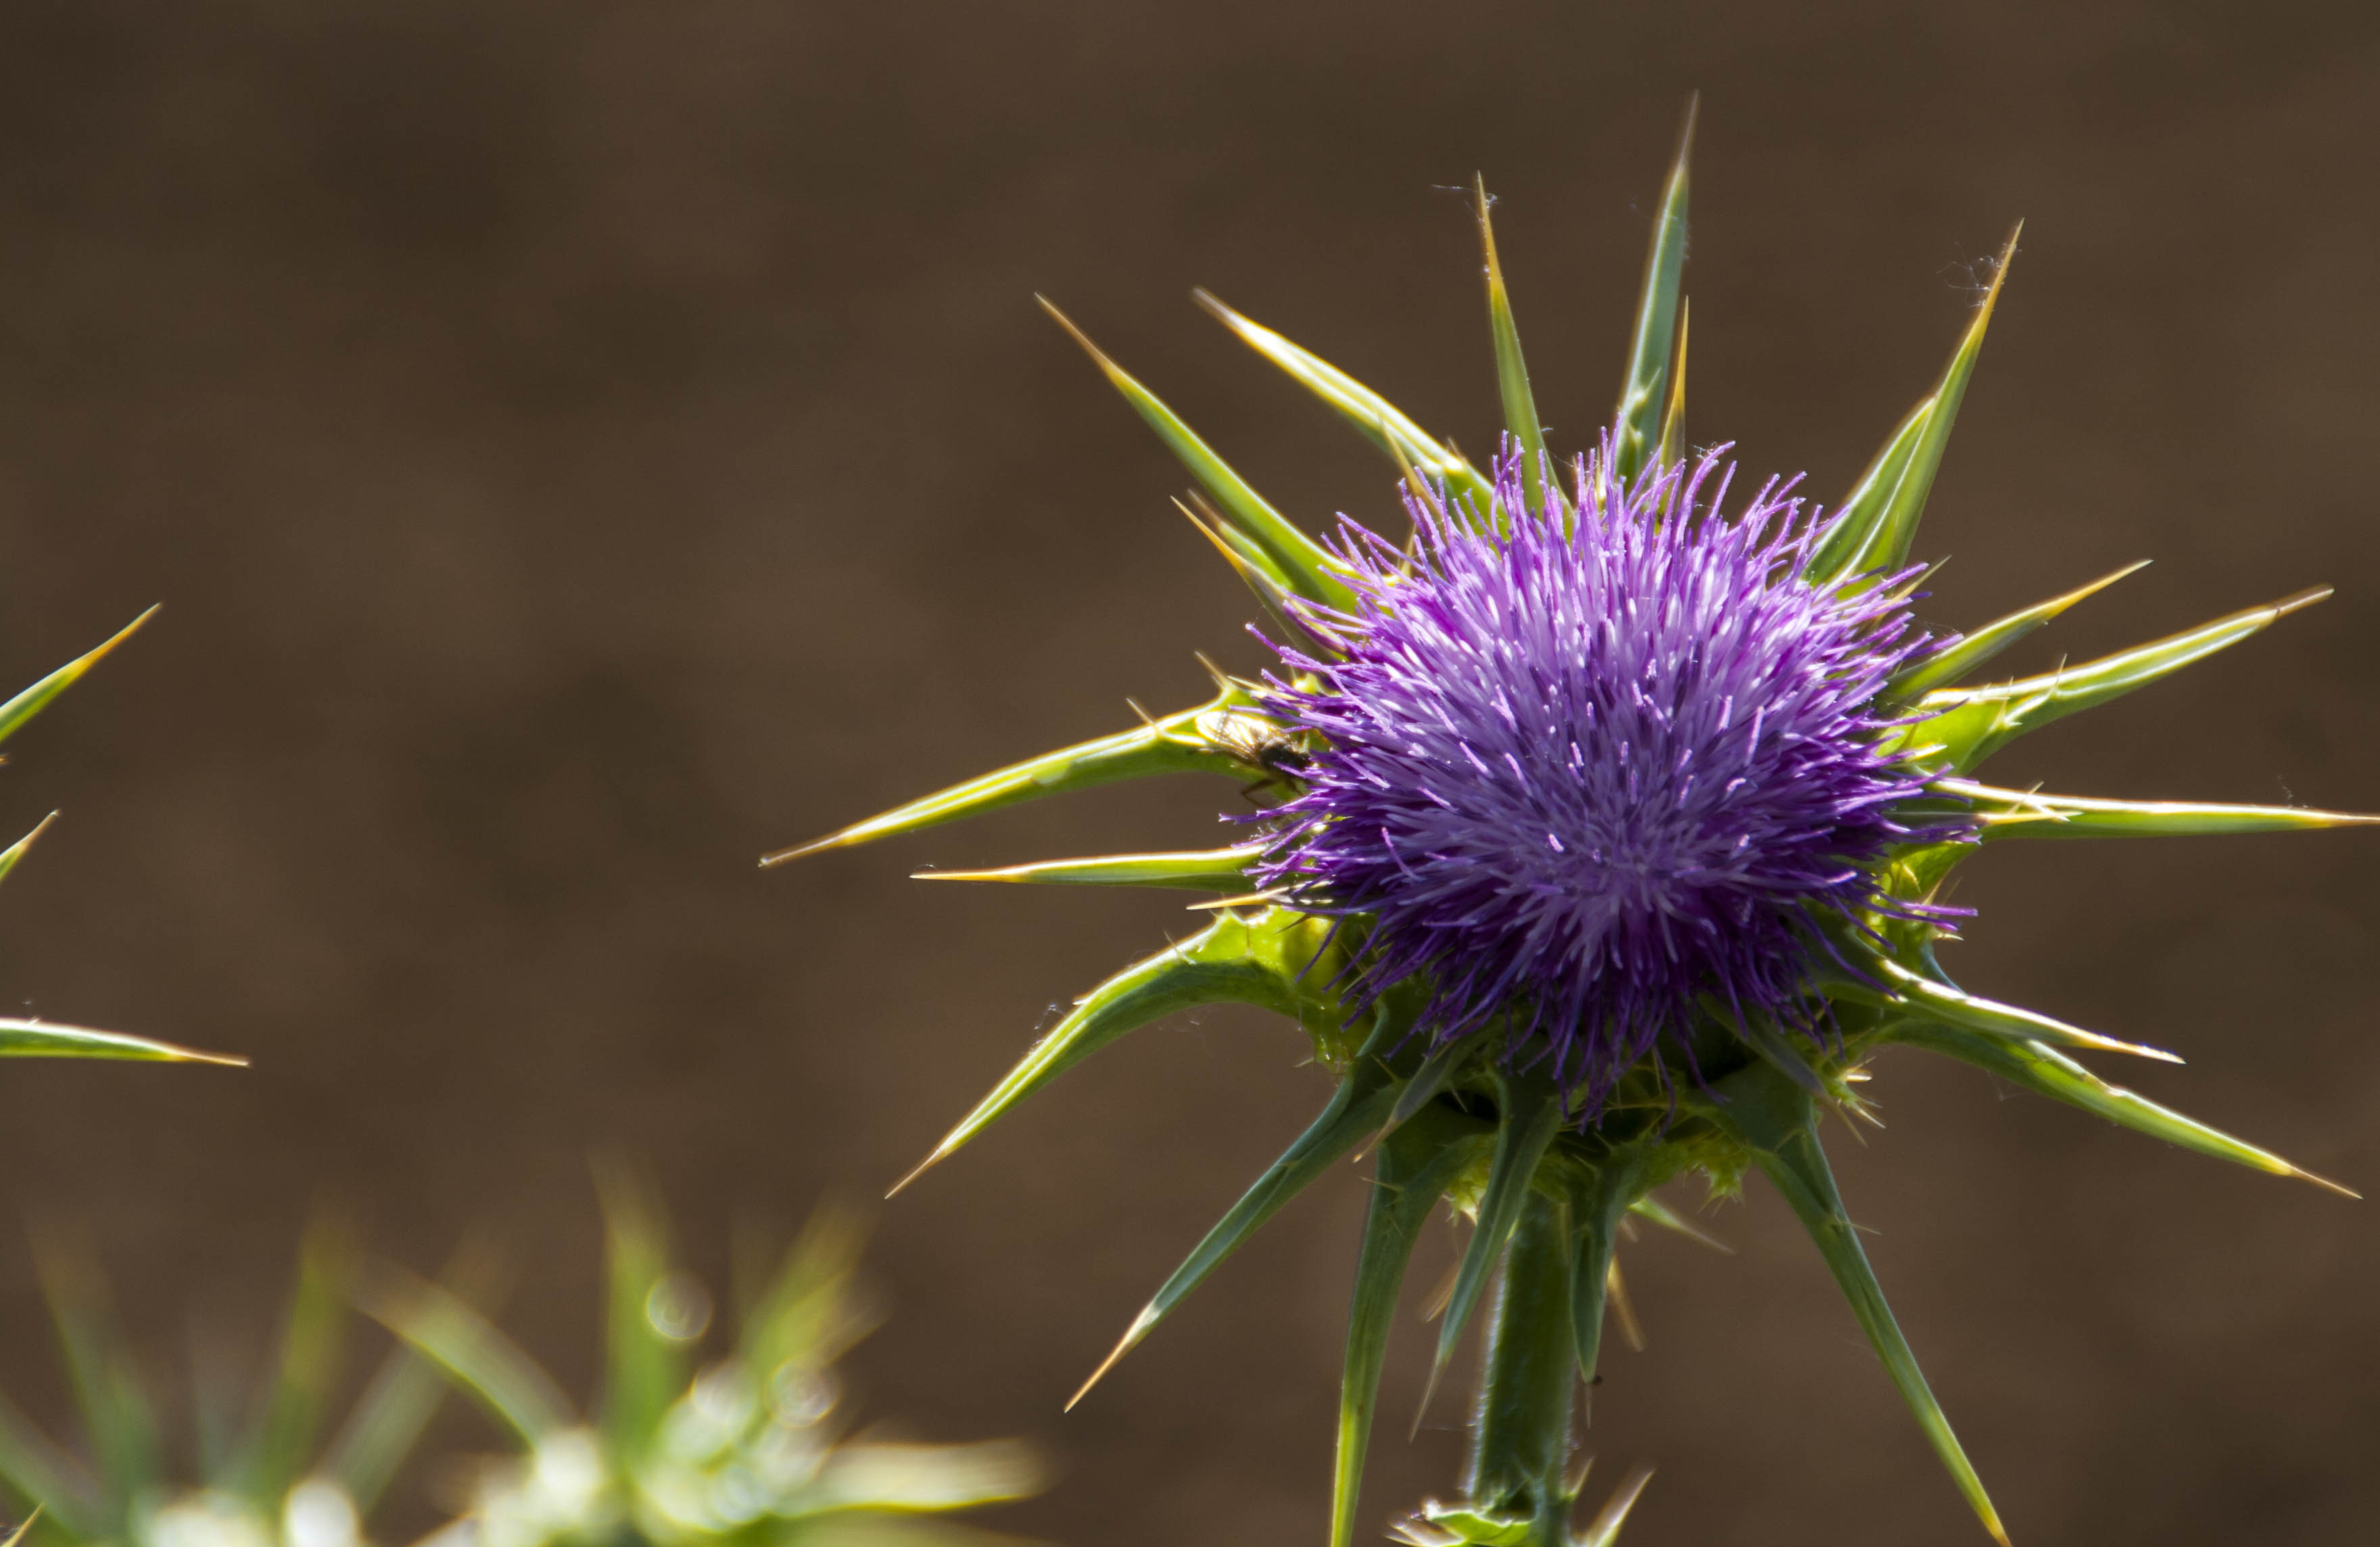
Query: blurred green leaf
column 281, row 1442
column 47, row 1477
column 481, row 1360
column 645, row 1365
column 116, row 1412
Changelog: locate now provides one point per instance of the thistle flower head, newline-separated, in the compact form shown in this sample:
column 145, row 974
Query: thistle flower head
column 1598, row 764
column 1570, row 775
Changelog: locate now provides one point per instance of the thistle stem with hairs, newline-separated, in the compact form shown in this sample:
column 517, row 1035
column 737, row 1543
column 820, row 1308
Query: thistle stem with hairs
column 1521, row 1428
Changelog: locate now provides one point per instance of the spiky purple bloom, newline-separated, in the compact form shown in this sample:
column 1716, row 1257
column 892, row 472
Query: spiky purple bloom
column 1602, row 771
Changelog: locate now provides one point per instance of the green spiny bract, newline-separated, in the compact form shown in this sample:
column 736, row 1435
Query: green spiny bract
column 40, row 1039
column 261, row 1481
column 1546, row 1170
column 748, row 1452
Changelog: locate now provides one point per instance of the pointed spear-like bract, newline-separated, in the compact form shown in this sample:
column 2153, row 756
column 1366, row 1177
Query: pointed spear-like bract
column 1970, row 652
column 1927, row 997
column 2015, row 813
column 25, row 705
column 22, row 1527
column 1511, row 371
column 1354, row 1112
column 1673, row 419
column 1254, row 566
column 1200, row 740
column 1375, row 417
column 1416, row 1164
column 1645, row 390
column 1768, row 1039
column 1778, row 1122
column 16, row 851
column 1220, row 870
column 1433, row 1075
column 43, row 1038
column 1269, row 959
column 1880, row 515
column 1530, row 1113
column 1968, row 724
column 1598, row 1200
column 1307, row 564
column 1654, row 1212
column 2047, row 1072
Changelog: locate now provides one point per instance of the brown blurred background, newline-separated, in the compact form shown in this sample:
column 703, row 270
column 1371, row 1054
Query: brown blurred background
column 580, row 446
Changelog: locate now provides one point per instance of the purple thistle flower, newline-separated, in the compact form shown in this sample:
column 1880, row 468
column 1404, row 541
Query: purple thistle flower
column 1601, row 772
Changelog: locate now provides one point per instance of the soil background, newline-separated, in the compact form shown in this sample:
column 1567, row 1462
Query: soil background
column 582, row 447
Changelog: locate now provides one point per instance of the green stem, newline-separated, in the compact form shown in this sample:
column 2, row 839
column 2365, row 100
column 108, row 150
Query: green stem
column 1521, row 1431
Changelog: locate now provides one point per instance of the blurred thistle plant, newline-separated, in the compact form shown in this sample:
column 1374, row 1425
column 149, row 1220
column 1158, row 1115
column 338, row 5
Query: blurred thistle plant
column 1610, row 843
column 751, row 1451
column 23, row 1038
column 260, row 1480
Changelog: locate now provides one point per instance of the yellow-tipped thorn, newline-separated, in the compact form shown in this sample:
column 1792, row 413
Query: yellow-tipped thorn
column 121, row 635
column 1245, row 899
column 1098, row 356
column 2298, row 601
column 940, row 1153
column 1138, row 1330
column 1615, row 1288
column 2084, row 592
column 843, row 839
column 1673, row 417
column 2325, row 1183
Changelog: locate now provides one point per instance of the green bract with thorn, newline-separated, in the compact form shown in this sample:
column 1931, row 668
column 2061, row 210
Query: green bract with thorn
column 1608, row 837
column 42, row 1039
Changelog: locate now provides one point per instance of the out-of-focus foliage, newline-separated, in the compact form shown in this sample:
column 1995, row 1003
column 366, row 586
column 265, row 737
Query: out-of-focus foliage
column 260, row 1480
column 752, row 1450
